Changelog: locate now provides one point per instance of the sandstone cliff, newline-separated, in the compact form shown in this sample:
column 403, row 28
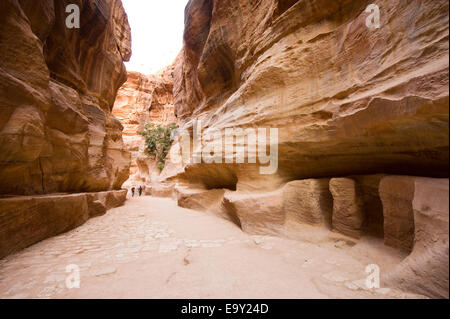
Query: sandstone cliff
column 348, row 99
column 57, row 89
column 57, row 135
column 352, row 104
column 141, row 100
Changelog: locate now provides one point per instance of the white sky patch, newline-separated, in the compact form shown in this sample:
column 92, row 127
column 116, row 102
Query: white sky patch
column 157, row 33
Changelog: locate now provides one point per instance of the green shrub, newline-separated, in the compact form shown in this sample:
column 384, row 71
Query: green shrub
column 158, row 140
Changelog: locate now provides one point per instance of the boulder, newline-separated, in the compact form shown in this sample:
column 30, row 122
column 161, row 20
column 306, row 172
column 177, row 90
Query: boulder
column 258, row 214
column 141, row 100
column 199, row 199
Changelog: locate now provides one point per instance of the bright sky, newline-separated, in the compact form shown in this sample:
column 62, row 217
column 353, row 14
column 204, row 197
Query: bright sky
column 157, row 33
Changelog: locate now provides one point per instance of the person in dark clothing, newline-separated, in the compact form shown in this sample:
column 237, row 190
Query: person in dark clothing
column 140, row 191
column 132, row 191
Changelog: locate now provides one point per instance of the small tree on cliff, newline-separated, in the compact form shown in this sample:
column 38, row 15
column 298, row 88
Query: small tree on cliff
column 158, row 139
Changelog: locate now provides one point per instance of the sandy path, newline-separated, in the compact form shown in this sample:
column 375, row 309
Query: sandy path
column 151, row 248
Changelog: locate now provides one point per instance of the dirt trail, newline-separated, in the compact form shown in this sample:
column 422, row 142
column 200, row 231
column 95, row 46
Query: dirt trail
column 151, row 248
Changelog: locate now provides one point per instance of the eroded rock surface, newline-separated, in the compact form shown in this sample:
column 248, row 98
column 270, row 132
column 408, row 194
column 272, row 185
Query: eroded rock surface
column 353, row 106
column 351, row 103
column 426, row 270
column 57, row 89
column 62, row 157
column 347, row 99
column 309, row 202
column 141, row 100
column 397, row 194
column 258, row 214
column 348, row 208
column 26, row 220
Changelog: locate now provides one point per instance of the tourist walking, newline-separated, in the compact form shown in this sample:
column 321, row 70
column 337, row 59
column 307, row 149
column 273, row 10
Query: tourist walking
column 140, row 191
column 132, row 191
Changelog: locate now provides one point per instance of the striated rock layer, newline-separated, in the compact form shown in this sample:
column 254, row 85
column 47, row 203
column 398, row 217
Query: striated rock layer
column 353, row 106
column 141, row 100
column 57, row 134
column 57, row 89
column 26, row 220
column 347, row 99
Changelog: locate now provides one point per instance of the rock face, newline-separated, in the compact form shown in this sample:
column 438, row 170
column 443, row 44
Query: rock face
column 57, row 135
column 353, row 104
column 143, row 99
column 258, row 214
column 426, row 270
column 374, row 218
column 347, row 99
column 28, row 219
column 58, row 86
column 208, row 201
column 397, row 194
column 309, row 202
column 348, row 208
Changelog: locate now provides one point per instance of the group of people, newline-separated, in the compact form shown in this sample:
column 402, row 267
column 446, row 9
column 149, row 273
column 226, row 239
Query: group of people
column 133, row 191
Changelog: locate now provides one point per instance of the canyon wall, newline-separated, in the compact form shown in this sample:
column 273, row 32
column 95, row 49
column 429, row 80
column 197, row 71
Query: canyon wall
column 362, row 118
column 58, row 87
column 141, row 100
column 57, row 135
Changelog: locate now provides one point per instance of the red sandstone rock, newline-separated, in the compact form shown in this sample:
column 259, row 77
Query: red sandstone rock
column 259, row 214
column 346, row 99
column 141, row 100
column 309, row 202
column 208, row 201
column 26, row 220
column 57, row 134
column 57, row 89
column 397, row 195
column 348, row 207
column 426, row 269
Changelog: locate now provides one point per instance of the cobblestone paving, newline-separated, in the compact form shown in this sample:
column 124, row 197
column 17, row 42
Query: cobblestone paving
column 150, row 248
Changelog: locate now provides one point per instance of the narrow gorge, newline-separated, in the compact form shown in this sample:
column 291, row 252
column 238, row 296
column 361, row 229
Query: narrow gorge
column 141, row 100
column 354, row 120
